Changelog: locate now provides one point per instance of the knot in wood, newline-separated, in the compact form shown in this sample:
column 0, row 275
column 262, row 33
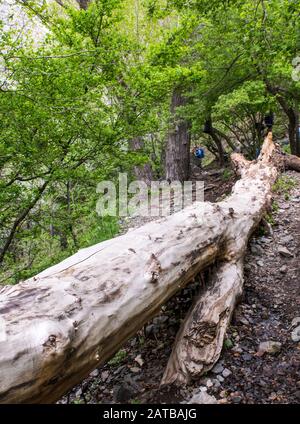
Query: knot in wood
column 51, row 342
column 202, row 334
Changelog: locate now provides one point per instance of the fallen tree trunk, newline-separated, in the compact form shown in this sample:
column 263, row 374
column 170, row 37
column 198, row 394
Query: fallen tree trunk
column 66, row 321
column 199, row 342
column 292, row 162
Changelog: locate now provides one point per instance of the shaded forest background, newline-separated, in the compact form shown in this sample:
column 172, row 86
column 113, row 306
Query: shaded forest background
column 130, row 86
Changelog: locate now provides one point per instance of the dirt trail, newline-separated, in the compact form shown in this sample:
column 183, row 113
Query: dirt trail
column 269, row 306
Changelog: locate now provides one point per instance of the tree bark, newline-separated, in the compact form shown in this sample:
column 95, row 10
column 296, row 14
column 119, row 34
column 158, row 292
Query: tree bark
column 177, row 165
column 57, row 327
column 83, row 4
column 292, row 162
column 216, row 137
column 220, row 147
column 291, row 109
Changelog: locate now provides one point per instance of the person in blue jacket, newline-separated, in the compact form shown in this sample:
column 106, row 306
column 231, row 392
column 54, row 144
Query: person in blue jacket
column 199, row 152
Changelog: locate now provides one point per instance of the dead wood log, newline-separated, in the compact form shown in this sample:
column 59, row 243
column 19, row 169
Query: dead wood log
column 292, row 162
column 66, row 321
column 200, row 340
column 69, row 319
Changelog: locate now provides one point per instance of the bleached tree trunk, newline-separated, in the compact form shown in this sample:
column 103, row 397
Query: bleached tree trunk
column 69, row 319
column 200, row 340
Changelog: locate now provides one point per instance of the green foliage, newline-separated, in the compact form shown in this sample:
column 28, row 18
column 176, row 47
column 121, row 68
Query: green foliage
column 270, row 219
column 227, row 174
column 275, row 207
column 118, row 358
column 284, row 185
column 71, row 103
column 228, row 344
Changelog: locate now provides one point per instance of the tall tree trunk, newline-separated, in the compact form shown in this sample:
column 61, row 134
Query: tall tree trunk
column 219, row 145
column 291, row 109
column 297, row 130
column 177, row 164
column 292, row 130
column 216, row 137
column 83, row 4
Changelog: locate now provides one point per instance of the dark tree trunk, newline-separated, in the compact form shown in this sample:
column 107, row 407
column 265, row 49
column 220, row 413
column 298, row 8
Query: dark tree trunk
column 141, row 172
column 291, row 109
column 216, row 137
column 293, row 117
column 219, row 145
column 177, row 163
column 83, row 4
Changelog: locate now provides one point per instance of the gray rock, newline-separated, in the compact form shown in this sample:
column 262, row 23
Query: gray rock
column 295, row 199
column 243, row 321
column 220, row 378
column 260, row 263
column 139, row 360
column 295, row 321
column 297, row 394
column 237, row 399
column 209, row 383
column 256, row 250
column 296, row 334
column 135, row 369
column 287, row 239
column 226, row 373
column 104, row 375
column 247, row 357
column 203, row 398
column 283, row 251
column 237, row 349
column 270, row 347
column 216, row 383
column 161, row 319
column 265, row 240
column 78, row 393
column 120, row 369
column 283, row 269
column 126, row 390
column 151, row 329
column 218, row 369
column 95, row 373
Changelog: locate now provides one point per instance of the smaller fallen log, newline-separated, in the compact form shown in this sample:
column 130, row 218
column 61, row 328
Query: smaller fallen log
column 292, row 162
column 199, row 342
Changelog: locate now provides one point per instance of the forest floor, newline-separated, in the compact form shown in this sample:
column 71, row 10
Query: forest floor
column 247, row 371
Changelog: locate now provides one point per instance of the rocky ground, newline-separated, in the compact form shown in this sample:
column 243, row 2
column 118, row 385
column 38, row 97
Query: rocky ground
column 261, row 356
